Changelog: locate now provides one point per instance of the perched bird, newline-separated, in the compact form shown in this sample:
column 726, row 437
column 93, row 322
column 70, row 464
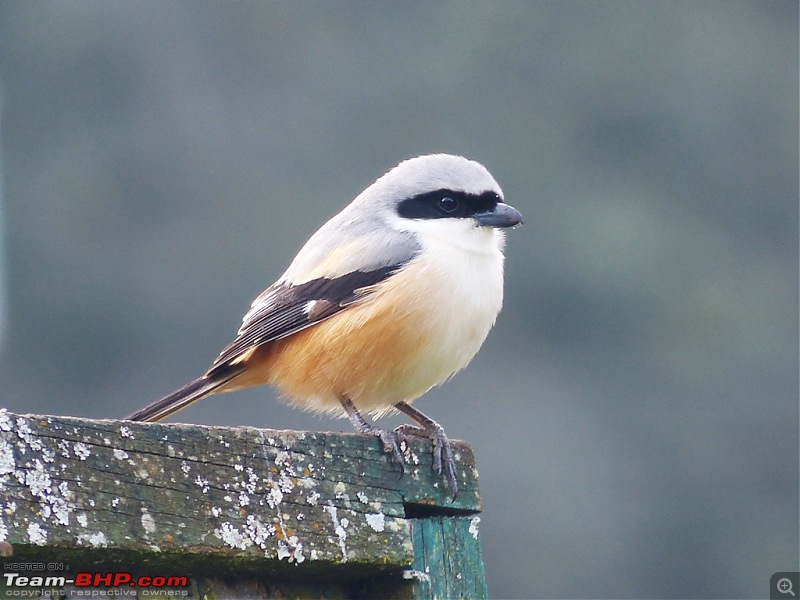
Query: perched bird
column 388, row 299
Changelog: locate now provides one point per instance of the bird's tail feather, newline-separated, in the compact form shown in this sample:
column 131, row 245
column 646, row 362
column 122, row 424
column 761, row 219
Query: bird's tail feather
column 179, row 399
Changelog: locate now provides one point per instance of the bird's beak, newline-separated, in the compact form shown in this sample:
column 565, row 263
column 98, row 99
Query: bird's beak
column 502, row 215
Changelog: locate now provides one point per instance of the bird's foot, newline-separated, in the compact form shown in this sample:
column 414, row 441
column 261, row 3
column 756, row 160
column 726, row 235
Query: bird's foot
column 393, row 443
column 393, row 440
column 443, row 464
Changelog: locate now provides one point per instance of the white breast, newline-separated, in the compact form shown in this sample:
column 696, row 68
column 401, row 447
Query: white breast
column 461, row 292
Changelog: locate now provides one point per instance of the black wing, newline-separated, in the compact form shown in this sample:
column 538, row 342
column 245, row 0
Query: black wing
column 286, row 309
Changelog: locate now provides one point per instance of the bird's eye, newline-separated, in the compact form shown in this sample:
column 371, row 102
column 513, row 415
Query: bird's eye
column 448, row 204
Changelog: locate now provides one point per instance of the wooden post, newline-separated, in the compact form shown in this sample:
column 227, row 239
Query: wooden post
column 237, row 512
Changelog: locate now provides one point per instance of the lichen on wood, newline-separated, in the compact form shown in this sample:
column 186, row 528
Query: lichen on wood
column 252, row 499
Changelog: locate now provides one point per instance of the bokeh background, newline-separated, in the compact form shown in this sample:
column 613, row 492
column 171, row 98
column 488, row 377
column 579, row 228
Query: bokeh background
column 635, row 411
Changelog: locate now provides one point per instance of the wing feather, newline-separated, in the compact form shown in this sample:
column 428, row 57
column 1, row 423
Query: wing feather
column 285, row 309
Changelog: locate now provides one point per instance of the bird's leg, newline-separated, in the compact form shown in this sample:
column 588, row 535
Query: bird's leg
column 442, row 453
column 391, row 439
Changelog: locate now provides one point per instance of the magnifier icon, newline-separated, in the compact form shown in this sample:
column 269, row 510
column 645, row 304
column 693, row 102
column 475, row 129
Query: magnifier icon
column 785, row 586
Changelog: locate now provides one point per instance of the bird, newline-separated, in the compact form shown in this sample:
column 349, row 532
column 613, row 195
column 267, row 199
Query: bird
column 388, row 299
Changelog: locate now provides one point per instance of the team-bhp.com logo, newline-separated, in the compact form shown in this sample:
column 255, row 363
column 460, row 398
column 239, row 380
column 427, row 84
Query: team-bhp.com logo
column 113, row 580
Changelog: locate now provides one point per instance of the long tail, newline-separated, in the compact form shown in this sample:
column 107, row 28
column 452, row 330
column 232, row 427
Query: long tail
column 179, row 399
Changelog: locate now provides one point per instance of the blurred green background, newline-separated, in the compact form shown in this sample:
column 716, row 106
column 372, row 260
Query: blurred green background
column 635, row 411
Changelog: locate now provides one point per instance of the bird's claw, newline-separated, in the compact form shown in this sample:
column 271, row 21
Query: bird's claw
column 393, row 442
column 442, row 452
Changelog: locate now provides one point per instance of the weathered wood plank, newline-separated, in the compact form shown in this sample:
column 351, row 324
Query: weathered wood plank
column 448, row 547
column 294, row 506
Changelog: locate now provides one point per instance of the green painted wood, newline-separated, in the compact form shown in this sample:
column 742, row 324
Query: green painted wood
column 244, row 512
column 447, row 557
